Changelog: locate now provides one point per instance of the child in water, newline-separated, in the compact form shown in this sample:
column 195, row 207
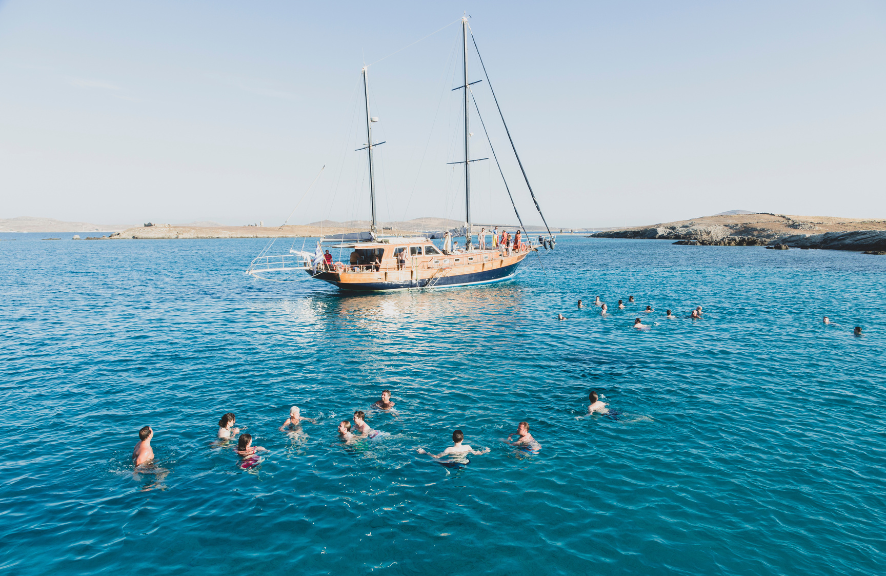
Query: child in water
column 362, row 427
column 295, row 419
column 457, row 450
column 245, row 447
column 226, row 428
column 596, row 404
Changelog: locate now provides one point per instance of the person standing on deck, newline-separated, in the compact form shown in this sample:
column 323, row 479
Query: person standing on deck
column 495, row 238
column 447, row 243
column 482, row 239
column 517, row 241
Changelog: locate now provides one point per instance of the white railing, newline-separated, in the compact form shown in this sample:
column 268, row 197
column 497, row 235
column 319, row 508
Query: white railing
column 277, row 263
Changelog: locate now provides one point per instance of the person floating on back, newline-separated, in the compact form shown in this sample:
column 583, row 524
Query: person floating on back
column 295, row 419
column 457, row 450
column 596, row 404
column 245, row 447
column 362, row 427
column 226, row 428
column 525, row 439
column 143, row 453
column 638, row 324
column 385, row 402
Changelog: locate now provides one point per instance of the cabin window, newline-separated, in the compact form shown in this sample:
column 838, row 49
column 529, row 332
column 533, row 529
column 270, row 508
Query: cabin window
column 470, row 258
column 415, row 250
column 458, row 259
column 431, row 250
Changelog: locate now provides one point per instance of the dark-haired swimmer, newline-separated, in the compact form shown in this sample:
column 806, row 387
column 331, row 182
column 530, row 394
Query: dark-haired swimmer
column 596, row 404
column 670, row 316
column 457, row 449
column 621, row 305
column 604, row 311
column 648, row 309
column 226, row 428
column 580, row 305
column 385, row 402
column 631, row 299
column 857, row 331
column 245, row 447
column 694, row 315
column 525, row 440
column 638, row 324
column 362, row 427
column 143, row 453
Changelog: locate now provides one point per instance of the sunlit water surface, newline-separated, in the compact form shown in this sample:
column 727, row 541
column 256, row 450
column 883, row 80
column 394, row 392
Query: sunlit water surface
column 749, row 442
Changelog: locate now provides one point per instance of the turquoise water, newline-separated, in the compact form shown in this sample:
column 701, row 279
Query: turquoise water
column 749, row 442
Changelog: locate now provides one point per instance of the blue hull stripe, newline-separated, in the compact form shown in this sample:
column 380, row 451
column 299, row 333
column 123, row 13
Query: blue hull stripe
column 485, row 277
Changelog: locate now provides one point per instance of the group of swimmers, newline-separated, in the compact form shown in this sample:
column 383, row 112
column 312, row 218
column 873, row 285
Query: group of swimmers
column 143, row 454
column 638, row 323
column 827, row 322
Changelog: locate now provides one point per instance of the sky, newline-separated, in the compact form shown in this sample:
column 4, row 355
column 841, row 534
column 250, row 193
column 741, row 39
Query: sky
column 623, row 113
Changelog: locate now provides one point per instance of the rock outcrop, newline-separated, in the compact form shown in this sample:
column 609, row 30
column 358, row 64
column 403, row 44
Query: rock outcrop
column 727, row 241
column 862, row 240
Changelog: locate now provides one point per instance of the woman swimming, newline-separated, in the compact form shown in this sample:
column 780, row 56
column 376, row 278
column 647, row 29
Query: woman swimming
column 226, row 428
column 245, row 447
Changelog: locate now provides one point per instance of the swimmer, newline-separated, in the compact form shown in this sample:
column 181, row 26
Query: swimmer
column 143, row 453
column 561, row 317
column 826, row 320
column 631, row 299
column 385, row 402
column 597, row 301
column 362, row 427
column 648, row 309
column 457, row 449
column 694, row 315
column 226, row 426
column 604, row 310
column 344, row 430
column 295, row 418
column 670, row 316
column 596, row 404
column 640, row 326
column 525, row 439
column 699, row 311
column 621, row 305
column 580, row 305
column 857, row 331
column 245, row 447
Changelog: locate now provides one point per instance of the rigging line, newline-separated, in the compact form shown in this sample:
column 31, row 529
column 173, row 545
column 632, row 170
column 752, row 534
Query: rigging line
column 303, row 196
column 416, row 42
column 526, row 178
column 495, row 156
column 431, row 133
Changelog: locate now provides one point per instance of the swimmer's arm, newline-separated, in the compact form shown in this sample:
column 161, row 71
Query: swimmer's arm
column 423, row 451
column 311, row 420
column 479, row 452
column 285, row 424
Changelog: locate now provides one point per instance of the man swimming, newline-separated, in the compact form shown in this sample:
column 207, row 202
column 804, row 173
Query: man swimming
column 604, row 310
column 621, row 305
column 596, row 404
column 525, row 439
column 631, row 299
column 597, row 301
column 648, row 309
column 457, row 450
column 670, row 316
column 143, row 453
column 857, row 331
column 362, row 427
column 699, row 311
column 640, row 326
column 344, row 430
column 385, row 402
column 295, row 418
column 826, row 320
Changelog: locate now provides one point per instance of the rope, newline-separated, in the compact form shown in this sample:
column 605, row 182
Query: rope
column 526, row 178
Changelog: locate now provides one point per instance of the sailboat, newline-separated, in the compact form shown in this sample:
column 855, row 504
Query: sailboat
column 382, row 263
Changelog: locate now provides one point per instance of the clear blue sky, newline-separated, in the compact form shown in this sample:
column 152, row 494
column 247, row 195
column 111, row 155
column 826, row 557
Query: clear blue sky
column 623, row 112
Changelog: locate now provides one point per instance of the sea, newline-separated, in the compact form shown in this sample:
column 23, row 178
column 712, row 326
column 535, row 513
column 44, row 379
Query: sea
column 751, row 441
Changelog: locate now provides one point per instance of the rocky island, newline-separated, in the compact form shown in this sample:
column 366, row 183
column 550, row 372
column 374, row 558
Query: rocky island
column 765, row 229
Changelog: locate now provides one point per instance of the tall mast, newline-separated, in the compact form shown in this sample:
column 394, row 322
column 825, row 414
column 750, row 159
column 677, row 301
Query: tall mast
column 369, row 145
column 464, row 29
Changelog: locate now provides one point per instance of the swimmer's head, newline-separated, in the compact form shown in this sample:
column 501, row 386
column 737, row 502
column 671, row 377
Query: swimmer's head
column 386, row 395
column 359, row 415
column 226, row 419
column 669, row 312
column 145, row 433
column 592, row 396
column 524, row 426
column 458, row 436
column 857, row 331
column 826, row 320
column 630, row 298
column 294, row 412
column 244, row 441
column 620, row 302
column 649, row 308
column 344, row 426
column 637, row 321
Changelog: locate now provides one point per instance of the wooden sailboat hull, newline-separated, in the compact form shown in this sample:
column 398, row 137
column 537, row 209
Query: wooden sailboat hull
column 383, row 280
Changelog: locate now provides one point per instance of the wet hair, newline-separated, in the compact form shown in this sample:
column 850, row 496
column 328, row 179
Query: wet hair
column 144, row 433
column 383, row 392
column 649, row 307
column 244, row 441
column 458, row 436
column 858, row 329
column 346, row 424
column 592, row 396
column 228, row 417
column 669, row 311
column 637, row 321
column 631, row 298
column 526, row 424
column 359, row 414
column 619, row 301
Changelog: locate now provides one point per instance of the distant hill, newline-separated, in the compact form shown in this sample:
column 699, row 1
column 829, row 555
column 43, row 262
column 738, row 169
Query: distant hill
column 31, row 224
column 735, row 213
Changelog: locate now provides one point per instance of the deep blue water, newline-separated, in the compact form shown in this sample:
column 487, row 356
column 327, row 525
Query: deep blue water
column 749, row 442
